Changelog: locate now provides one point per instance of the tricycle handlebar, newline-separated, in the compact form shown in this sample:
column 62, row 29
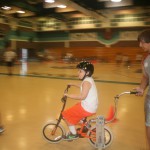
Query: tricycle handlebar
column 66, row 90
column 64, row 98
column 127, row 92
column 116, row 101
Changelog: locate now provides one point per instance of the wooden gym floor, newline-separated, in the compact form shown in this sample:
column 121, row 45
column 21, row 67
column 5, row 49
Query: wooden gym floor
column 29, row 101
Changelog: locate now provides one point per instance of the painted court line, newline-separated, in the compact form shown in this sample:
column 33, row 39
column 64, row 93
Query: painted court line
column 66, row 78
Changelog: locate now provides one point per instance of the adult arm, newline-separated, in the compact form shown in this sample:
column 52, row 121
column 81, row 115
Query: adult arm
column 144, row 83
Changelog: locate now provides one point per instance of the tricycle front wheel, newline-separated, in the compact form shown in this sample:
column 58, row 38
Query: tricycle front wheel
column 53, row 133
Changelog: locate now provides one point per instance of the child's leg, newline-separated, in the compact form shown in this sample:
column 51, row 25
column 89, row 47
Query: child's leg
column 72, row 129
column 72, row 134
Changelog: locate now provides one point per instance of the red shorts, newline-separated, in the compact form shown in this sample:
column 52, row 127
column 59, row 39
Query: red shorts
column 74, row 114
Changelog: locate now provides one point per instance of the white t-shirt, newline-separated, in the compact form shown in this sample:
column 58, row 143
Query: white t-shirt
column 90, row 103
column 147, row 70
column 9, row 56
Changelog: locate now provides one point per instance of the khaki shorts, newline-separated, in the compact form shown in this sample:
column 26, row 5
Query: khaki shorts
column 147, row 110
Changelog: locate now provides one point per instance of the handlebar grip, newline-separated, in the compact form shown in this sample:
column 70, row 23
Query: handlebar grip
column 68, row 86
column 133, row 92
column 64, row 98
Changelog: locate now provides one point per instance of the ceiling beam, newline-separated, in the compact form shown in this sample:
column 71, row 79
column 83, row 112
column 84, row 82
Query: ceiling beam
column 79, row 8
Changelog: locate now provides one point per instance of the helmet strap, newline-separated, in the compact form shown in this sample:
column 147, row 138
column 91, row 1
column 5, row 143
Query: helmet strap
column 86, row 74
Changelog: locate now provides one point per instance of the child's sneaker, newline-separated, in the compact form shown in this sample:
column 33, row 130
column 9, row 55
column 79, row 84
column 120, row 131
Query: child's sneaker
column 1, row 129
column 71, row 136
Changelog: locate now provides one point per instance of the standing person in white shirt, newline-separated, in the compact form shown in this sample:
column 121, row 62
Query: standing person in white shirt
column 88, row 99
column 9, row 57
column 144, row 43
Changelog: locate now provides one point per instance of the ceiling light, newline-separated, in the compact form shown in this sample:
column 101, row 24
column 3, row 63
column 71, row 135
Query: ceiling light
column 61, row 6
column 20, row 11
column 6, row 7
column 49, row 1
column 116, row 0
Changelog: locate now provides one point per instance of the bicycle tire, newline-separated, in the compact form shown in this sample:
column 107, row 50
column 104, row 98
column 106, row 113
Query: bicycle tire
column 92, row 136
column 53, row 134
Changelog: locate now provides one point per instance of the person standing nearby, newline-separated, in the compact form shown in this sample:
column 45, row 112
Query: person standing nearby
column 9, row 57
column 144, row 43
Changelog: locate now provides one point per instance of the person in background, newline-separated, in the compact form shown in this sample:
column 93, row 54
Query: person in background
column 10, row 58
column 144, row 43
column 126, row 61
column 88, row 99
column 139, row 58
column 118, row 59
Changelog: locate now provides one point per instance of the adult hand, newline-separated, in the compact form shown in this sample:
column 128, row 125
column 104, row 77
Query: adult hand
column 139, row 90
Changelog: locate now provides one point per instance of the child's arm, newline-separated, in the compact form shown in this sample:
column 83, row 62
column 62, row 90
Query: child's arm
column 74, row 84
column 85, row 90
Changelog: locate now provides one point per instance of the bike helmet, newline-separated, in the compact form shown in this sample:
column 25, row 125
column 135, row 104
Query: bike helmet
column 87, row 67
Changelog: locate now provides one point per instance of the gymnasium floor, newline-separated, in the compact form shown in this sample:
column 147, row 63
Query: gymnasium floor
column 29, row 101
